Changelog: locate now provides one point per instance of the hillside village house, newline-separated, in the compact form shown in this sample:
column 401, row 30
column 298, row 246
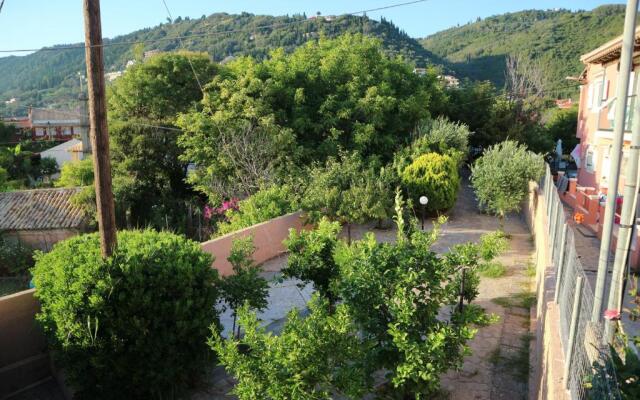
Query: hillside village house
column 42, row 217
column 586, row 192
column 43, row 124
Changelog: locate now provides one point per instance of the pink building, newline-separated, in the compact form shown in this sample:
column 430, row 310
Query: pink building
column 587, row 192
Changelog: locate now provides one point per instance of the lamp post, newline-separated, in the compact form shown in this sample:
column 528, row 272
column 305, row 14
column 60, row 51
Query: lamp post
column 423, row 202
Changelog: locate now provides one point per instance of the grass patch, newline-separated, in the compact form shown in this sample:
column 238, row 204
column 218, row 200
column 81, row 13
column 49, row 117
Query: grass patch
column 492, row 270
column 530, row 269
column 485, row 319
column 522, row 300
column 519, row 363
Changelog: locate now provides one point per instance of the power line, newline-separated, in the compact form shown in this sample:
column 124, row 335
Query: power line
column 206, row 34
column 183, row 46
column 1, row 4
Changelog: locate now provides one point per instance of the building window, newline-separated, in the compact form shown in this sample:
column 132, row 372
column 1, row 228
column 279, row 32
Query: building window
column 590, row 160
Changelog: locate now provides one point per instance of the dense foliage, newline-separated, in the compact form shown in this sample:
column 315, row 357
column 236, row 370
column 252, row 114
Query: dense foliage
column 149, row 178
column 555, row 38
column 16, row 258
column 47, row 78
column 435, row 176
column 264, row 205
column 133, row 325
column 311, row 257
column 562, row 124
column 390, row 319
column 345, row 189
column 501, row 176
column 326, row 95
column 312, row 358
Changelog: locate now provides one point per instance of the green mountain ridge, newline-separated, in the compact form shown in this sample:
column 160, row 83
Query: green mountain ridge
column 554, row 39
column 50, row 77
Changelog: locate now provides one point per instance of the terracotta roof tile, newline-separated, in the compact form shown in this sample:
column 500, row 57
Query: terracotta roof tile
column 40, row 209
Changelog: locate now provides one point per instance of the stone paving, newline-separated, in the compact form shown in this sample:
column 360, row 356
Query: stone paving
column 498, row 350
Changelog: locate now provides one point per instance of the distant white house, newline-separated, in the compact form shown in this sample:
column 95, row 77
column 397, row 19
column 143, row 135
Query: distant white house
column 64, row 153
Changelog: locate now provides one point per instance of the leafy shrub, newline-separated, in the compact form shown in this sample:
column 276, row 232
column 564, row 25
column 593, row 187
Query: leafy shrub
column 501, row 176
column 131, row 326
column 441, row 136
column 435, row 176
column 311, row 257
column 15, row 258
column 245, row 286
column 77, row 173
column 493, row 245
column 311, row 359
column 348, row 190
column 264, row 205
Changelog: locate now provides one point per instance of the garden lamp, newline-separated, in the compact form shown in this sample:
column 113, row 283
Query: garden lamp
column 423, row 202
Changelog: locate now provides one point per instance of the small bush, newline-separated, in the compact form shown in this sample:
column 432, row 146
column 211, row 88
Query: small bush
column 134, row 325
column 501, row 176
column 492, row 269
column 264, row 205
column 435, row 176
column 245, row 286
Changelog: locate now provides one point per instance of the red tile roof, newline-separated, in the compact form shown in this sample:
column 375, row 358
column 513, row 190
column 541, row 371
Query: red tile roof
column 40, row 209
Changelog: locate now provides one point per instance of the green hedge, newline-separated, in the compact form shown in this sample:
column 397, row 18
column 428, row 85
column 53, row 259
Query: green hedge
column 134, row 325
column 435, row 176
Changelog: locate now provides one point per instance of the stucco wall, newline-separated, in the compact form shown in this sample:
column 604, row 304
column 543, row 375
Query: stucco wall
column 546, row 356
column 43, row 239
column 23, row 353
column 267, row 238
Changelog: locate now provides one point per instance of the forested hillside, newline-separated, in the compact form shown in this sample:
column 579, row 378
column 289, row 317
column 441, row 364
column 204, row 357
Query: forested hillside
column 556, row 39
column 50, row 78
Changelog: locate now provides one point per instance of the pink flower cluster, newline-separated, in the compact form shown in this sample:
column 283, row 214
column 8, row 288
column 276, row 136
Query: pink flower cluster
column 227, row 205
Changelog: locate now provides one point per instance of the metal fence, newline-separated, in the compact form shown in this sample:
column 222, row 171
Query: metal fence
column 589, row 372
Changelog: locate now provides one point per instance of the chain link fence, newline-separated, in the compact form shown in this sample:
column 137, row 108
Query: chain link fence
column 589, row 372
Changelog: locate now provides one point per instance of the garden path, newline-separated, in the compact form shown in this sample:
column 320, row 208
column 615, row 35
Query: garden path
column 498, row 367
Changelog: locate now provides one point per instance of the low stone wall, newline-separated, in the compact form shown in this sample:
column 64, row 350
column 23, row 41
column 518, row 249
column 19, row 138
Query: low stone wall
column 546, row 356
column 267, row 238
column 23, row 348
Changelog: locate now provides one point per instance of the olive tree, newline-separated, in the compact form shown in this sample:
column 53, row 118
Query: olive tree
column 501, row 176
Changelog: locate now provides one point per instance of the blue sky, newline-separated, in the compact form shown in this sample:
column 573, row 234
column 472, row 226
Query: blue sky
column 37, row 23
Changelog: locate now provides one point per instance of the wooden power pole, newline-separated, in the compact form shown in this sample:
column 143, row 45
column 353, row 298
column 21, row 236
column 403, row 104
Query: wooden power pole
column 98, row 126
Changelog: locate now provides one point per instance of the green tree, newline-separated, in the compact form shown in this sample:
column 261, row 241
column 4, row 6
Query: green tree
column 435, row 176
column 48, row 166
column 143, row 107
column 345, row 190
column 396, row 293
column 563, row 124
column 311, row 257
column 4, row 177
column 76, row 174
column 245, row 285
column 312, row 358
column 324, row 96
column 501, row 177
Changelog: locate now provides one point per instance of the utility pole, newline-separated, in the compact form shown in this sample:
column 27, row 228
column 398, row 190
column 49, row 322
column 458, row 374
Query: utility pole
column 628, row 39
column 627, row 221
column 98, row 123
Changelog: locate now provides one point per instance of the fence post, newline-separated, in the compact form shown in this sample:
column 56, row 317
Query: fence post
column 547, row 192
column 575, row 315
column 553, row 220
column 560, row 266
